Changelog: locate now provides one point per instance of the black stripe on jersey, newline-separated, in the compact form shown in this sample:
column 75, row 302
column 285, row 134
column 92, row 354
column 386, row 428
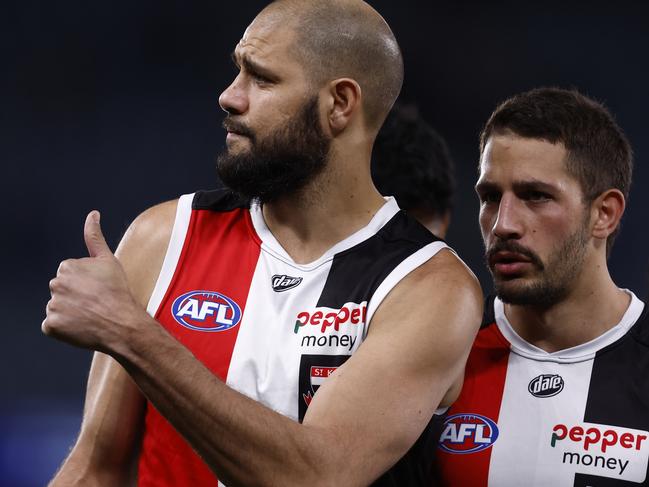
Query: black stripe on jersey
column 416, row 468
column 619, row 391
column 354, row 276
column 489, row 314
column 641, row 330
column 357, row 272
column 222, row 199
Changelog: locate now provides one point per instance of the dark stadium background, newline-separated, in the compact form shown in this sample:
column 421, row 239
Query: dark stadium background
column 113, row 105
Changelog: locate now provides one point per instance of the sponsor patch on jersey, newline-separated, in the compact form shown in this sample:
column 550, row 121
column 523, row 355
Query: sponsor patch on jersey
column 601, row 450
column 468, row 433
column 314, row 370
column 282, row 282
column 322, row 318
column 206, row 311
column 546, row 385
column 331, row 328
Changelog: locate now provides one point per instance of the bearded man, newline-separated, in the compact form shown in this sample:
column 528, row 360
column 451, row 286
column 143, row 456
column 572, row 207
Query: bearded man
column 556, row 391
column 301, row 329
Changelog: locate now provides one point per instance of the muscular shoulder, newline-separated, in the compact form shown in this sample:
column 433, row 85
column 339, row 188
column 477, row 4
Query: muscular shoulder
column 143, row 248
column 447, row 268
column 443, row 282
column 452, row 291
column 439, row 305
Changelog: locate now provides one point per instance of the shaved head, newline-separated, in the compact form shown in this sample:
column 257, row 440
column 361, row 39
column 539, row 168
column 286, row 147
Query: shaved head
column 345, row 39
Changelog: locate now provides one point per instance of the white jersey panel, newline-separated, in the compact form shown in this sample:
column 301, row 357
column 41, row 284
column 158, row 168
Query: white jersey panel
column 521, row 413
column 264, row 360
column 174, row 249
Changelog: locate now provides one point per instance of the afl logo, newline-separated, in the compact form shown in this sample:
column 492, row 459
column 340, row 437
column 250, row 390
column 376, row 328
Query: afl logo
column 206, row 311
column 546, row 385
column 468, row 433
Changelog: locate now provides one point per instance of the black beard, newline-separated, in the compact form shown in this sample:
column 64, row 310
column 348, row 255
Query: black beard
column 281, row 163
column 556, row 276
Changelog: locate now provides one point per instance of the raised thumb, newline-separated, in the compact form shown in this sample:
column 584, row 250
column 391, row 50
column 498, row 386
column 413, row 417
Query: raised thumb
column 95, row 241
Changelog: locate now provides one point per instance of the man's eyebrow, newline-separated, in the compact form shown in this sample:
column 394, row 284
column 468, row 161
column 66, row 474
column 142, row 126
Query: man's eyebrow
column 233, row 56
column 252, row 67
column 484, row 186
column 533, row 185
column 521, row 186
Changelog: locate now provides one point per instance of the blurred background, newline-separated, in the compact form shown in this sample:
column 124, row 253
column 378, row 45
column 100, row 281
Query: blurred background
column 113, row 105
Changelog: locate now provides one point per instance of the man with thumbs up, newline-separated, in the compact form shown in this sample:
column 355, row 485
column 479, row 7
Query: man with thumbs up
column 202, row 366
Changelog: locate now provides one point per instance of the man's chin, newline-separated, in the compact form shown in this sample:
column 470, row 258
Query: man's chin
column 527, row 292
column 513, row 290
column 239, row 147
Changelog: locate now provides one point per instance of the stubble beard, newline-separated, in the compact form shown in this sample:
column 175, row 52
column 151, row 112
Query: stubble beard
column 555, row 278
column 282, row 163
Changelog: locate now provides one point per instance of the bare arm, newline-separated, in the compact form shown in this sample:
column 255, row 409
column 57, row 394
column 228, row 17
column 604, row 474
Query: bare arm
column 102, row 454
column 110, row 431
column 363, row 418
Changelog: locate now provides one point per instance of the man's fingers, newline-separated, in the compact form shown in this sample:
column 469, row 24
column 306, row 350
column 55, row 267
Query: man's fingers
column 93, row 236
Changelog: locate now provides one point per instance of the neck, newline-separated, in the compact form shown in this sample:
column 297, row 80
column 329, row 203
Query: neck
column 338, row 202
column 593, row 306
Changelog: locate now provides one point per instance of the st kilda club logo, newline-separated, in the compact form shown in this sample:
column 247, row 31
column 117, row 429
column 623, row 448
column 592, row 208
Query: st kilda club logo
column 314, row 370
column 282, row 282
column 546, row 385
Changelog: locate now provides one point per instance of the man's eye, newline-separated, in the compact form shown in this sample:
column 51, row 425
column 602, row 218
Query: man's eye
column 490, row 197
column 260, row 80
column 536, row 196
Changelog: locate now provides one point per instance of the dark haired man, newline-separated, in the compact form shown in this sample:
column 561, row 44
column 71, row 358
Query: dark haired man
column 320, row 284
column 556, row 390
column 411, row 162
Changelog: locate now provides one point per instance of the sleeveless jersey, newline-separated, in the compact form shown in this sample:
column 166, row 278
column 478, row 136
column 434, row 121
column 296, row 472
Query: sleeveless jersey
column 576, row 417
column 268, row 327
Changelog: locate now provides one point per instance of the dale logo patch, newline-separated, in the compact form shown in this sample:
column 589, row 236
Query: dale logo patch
column 282, row 282
column 546, row 385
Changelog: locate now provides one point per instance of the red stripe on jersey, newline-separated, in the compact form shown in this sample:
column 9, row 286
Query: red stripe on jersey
column 484, row 382
column 219, row 255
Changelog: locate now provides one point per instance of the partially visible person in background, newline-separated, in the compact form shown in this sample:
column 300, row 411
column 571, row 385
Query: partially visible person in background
column 411, row 162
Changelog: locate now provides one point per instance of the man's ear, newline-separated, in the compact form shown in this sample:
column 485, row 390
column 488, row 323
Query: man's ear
column 344, row 103
column 606, row 213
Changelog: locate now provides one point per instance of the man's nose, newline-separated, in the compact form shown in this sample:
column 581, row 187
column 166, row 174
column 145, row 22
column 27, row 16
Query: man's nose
column 509, row 221
column 234, row 99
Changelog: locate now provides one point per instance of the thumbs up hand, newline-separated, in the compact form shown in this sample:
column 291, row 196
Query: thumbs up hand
column 94, row 237
column 91, row 305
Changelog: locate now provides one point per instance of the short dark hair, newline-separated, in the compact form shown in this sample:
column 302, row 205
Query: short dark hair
column 411, row 162
column 599, row 154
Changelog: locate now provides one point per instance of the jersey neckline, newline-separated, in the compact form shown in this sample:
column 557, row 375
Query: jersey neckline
column 270, row 244
column 578, row 353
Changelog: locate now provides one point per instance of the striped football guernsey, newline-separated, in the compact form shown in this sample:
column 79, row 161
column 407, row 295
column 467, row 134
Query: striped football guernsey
column 267, row 326
column 577, row 417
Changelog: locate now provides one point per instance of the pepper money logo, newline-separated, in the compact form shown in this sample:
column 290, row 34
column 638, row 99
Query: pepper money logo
column 206, row 311
column 601, row 449
column 323, row 327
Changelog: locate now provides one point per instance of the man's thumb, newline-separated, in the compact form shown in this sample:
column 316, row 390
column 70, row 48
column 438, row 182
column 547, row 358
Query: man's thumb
column 93, row 236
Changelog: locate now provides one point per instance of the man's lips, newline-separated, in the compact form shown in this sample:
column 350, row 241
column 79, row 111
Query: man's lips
column 509, row 263
column 236, row 128
column 234, row 135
